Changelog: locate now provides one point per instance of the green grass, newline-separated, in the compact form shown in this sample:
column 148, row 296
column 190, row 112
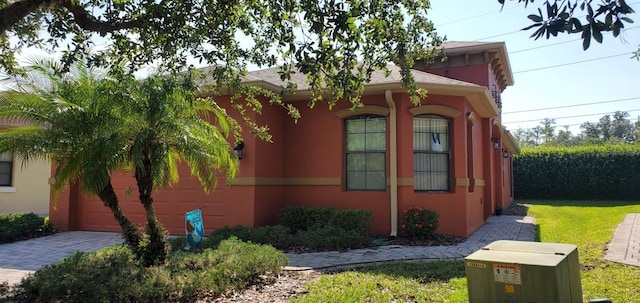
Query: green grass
column 397, row 282
column 587, row 224
column 590, row 226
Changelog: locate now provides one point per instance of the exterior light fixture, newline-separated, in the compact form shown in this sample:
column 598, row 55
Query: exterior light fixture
column 496, row 143
column 238, row 149
column 505, row 153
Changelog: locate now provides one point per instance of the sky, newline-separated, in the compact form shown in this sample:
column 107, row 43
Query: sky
column 546, row 73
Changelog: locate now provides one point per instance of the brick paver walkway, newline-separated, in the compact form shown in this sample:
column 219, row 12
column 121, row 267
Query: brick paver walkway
column 625, row 245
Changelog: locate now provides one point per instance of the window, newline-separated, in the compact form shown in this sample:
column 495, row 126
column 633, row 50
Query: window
column 6, row 168
column 431, row 153
column 365, row 149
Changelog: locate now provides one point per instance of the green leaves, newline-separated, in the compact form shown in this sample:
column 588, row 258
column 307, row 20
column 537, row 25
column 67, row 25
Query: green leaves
column 563, row 16
column 335, row 43
column 535, row 18
column 585, row 172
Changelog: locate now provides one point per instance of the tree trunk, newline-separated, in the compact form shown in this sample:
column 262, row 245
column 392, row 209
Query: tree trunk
column 131, row 234
column 157, row 247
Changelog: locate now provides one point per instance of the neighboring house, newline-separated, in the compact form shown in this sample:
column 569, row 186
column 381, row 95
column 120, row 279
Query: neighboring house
column 23, row 188
column 451, row 155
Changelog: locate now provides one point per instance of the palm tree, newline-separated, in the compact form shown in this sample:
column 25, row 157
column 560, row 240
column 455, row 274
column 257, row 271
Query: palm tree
column 92, row 126
column 170, row 126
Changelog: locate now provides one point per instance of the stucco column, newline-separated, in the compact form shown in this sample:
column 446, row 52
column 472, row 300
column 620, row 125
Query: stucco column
column 393, row 162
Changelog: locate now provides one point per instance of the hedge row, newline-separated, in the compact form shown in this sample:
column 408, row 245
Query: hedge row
column 604, row 172
column 302, row 218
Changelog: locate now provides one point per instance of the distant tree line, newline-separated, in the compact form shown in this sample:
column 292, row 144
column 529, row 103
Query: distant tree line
column 611, row 129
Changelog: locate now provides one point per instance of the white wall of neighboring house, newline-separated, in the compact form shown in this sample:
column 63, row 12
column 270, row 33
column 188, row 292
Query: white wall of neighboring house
column 30, row 191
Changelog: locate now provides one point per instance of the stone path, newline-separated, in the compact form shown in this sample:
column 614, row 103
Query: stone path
column 625, row 245
column 496, row 228
column 21, row 258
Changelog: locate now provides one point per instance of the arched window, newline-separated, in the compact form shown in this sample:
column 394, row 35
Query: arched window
column 365, row 153
column 431, row 153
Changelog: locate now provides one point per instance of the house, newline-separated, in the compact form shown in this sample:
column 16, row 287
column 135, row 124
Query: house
column 450, row 154
column 23, row 188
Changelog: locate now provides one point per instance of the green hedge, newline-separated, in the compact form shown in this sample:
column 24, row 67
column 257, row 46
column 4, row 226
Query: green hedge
column 604, row 172
column 15, row 227
column 303, row 218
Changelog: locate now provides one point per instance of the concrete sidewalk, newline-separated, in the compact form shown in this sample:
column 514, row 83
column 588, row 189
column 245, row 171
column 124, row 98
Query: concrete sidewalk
column 21, row 258
column 625, row 245
column 496, row 228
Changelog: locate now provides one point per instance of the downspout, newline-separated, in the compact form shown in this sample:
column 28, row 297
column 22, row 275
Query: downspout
column 393, row 161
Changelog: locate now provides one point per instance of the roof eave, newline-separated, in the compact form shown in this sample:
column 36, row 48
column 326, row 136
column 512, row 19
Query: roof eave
column 478, row 96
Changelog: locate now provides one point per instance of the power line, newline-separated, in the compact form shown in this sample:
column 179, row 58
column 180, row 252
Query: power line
column 567, row 117
column 476, row 16
column 568, row 106
column 571, row 63
column 556, row 126
column 499, row 35
column 558, row 43
column 560, row 126
column 543, row 46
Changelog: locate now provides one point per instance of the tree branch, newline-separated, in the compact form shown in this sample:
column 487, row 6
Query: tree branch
column 17, row 11
column 89, row 23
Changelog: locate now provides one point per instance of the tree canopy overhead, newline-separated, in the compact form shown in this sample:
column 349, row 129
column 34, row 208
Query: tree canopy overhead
column 579, row 17
column 336, row 43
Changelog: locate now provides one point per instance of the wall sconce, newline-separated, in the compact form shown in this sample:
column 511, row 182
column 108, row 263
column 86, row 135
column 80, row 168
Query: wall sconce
column 505, row 153
column 496, row 143
column 238, row 149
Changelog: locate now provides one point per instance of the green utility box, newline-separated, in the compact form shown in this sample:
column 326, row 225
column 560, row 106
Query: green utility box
column 528, row 272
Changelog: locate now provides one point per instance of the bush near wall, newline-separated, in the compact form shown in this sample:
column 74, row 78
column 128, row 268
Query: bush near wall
column 303, row 218
column 22, row 226
column 304, row 228
column 606, row 172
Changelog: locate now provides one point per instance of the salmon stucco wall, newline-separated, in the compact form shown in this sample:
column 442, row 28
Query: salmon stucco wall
column 220, row 207
column 451, row 206
column 314, row 165
column 30, row 191
column 478, row 73
column 267, row 159
column 315, row 159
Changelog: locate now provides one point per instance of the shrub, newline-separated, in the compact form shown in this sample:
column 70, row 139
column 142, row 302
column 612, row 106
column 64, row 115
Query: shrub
column 605, row 172
column 293, row 217
column 333, row 238
column 357, row 220
column 329, row 229
column 5, row 290
column 301, row 218
column 277, row 236
column 221, row 234
column 113, row 275
column 419, row 223
column 14, row 227
column 86, row 277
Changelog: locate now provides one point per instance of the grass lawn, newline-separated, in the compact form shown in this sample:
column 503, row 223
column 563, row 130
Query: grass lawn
column 590, row 226
column 587, row 224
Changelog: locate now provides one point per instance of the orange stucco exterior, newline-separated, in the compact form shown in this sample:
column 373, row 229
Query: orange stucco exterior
column 305, row 165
